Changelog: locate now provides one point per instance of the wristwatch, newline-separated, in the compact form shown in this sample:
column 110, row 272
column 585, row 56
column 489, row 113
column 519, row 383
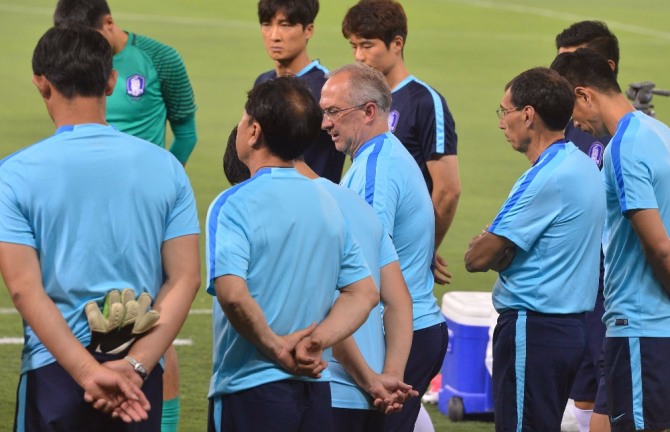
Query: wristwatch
column 139, row 368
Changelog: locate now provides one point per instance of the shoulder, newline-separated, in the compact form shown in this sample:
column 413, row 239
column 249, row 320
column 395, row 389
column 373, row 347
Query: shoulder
column 158, row 52
column 265, row 76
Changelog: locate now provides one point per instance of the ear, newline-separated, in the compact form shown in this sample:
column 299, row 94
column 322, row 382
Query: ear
column 370, row 111
column 111, row 82
column 43, row 86
column 255, row 134
column 583, row 94
column 612, row 64
column 397, row 44
column 309, row 31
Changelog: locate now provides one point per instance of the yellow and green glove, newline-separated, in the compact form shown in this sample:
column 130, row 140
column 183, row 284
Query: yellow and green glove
column 121, row 322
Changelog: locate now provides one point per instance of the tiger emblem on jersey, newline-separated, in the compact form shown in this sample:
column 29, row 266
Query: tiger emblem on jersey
column 135, row 85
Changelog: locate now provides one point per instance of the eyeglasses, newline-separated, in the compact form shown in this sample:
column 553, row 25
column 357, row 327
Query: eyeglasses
column 335, row 113
column 502, row 112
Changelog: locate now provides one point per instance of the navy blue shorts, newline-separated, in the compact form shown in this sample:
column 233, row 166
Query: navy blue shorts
column 281, row 406
column 637, row 371
column 600, row 406
column 429, row 346
column 535, row 360
column 48, row 399
column 357, row 420
column 586, row 382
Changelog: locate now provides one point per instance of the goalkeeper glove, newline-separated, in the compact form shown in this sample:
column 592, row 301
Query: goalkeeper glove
column 122, row 321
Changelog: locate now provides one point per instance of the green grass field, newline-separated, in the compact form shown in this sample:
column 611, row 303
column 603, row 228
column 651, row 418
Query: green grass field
column 467, row 49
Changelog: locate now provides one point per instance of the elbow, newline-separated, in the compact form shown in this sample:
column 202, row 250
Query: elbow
column 473, row 265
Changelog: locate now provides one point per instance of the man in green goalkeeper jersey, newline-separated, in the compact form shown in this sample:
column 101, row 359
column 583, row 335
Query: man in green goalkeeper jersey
column 153, row 86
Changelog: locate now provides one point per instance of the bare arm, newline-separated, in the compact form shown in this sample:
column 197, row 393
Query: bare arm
column 398, row 324
column 489, row 252
column 107, row 389
column 181, row 265
column 248, row 319
column 446, row 192
column 655, row 243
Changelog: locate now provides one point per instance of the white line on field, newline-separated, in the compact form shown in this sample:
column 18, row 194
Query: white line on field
column 19, row 341
column 549, row 13
column 12, row 311
column 161, row 19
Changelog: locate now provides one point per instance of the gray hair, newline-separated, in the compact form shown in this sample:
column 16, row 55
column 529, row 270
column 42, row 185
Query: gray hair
column 366, row 84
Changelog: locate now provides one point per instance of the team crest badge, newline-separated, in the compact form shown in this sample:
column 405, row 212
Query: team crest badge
column 596, row 152
column 135, row 85
column 394, row 116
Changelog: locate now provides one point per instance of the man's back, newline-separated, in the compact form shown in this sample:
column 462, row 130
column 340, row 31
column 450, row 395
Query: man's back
column 285, row 236
column 637, row 176
column 97, row 204
column 378, row 250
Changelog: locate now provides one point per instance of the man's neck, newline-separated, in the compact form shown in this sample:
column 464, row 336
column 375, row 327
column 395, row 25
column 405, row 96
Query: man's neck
column 120, row 40
column 612, row 109
column 397, row 74
column 541, row 142
column 80, row 110
column 378, row 128
column 293, row 66
column 260, row 159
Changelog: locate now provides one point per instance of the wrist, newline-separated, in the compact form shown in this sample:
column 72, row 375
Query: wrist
column 138, row 367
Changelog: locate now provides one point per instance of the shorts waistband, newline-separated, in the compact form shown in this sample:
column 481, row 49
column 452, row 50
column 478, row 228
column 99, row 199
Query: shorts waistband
column 546, row 315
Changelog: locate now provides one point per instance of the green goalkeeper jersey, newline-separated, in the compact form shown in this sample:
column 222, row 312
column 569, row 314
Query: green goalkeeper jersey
column 152, row 87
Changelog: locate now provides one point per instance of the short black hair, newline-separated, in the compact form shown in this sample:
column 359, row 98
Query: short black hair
column 376, row 19
column 89, row 13
column 76, row 60
column 587, row 68
column 594, row 35
column 288, row 113
column 234, row 169
column 297, row 11
column 547, row 92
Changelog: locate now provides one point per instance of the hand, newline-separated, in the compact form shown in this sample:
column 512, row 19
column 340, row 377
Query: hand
column 504, row 262
column 440, row 273
column 389, row 393
column 308, row 357
column 285, row 354
column 121, row 322
column 113, row 393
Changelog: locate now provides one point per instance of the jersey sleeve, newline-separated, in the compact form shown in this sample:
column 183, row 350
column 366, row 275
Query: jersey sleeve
column 175, row 84
column 228, row 246
column 531, row 207
column 387, row 252
column 633, row 176
column 436, row 127
column 183, row 217
column 15, row 227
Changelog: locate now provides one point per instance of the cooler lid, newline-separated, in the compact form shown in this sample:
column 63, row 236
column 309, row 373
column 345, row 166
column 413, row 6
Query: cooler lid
column 468, row 308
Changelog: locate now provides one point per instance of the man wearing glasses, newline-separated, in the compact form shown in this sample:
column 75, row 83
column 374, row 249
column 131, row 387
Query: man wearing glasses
column 355, row 102
column 545, row 244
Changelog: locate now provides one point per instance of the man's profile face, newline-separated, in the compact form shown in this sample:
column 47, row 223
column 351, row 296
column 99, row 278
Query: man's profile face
column 343, row 126
column 374, row 53
column 285, row 41
column 511, row 123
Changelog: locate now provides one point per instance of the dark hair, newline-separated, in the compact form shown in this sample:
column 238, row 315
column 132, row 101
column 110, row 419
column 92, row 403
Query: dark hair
column 586, row 68
column 376, row 19
column 297, row 11
column 289, row 116
column 234, row 169
column 547, row 92
column 594, row 35
column 87, row 13
column 76, row 60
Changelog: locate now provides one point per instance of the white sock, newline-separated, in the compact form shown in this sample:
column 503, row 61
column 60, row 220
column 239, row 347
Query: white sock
column 583, row 418
column 423, row 422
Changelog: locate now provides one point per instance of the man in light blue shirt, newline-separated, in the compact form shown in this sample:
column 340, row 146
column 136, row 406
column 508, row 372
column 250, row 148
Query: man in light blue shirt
column 85, row 211
column 636, row 171
column 355, row 102
column 545, row 244
column 277, row 250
